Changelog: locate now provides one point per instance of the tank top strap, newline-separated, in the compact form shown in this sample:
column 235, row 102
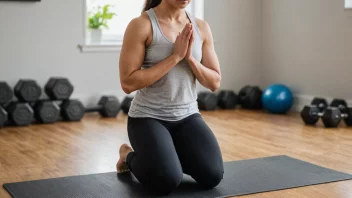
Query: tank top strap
column 194, row 23
column 154, row 21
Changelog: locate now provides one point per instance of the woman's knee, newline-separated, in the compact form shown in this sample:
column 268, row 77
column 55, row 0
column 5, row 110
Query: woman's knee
column 163, row 183
column 210, row 178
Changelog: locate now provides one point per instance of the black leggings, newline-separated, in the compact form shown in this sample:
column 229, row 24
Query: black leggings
column 163, row 151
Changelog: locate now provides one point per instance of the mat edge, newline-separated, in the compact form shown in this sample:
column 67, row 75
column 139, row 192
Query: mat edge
column 7, row 187
column 236, row 195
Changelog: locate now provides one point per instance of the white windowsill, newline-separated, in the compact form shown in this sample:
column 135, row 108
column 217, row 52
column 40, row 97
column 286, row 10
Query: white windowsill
column 101, row 47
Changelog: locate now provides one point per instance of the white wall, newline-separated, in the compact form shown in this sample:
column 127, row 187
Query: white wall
column 304, row 44
column 39, row 40
column 307, row 45
column 236, row 26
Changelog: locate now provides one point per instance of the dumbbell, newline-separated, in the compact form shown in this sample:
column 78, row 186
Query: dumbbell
column 59, row 90
column 250, row 97
column 3, row 117
column 321, row 103
column 311, row 114
column 19, row 114
column 346, row 112
column 71, row 110
column 126, row 104
column 46, row 111
column 6, row 95
column 331, row 117
column 339, row 103
column 207, row 101
column 227, row 99
column 108, row 107
column 27, row 90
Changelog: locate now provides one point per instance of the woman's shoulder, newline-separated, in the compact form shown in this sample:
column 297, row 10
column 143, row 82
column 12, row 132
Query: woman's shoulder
column 202, row 24
column 203, row 27
column 142, row 21
column 141, row 24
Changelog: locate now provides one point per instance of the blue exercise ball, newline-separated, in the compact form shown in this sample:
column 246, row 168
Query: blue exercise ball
column 277, row 98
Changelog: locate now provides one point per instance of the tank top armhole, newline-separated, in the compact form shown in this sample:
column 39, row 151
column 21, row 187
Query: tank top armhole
column 195, row 25
column 154, row 28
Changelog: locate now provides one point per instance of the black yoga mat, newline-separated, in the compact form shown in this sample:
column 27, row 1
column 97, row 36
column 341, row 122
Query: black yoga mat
column 241, row 177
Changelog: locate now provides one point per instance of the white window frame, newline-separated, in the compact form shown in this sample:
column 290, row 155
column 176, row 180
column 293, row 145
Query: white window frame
column 197, row 9
column 348, row 4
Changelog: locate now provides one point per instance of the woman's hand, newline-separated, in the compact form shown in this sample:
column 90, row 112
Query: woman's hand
column 188, row 56
column 207, row 71
column 182, row 42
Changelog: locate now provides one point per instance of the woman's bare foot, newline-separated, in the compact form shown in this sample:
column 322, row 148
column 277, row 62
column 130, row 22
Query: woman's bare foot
column 121, row 165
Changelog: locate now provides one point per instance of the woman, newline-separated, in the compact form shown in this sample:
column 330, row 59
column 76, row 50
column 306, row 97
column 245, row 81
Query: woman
column 166, row 131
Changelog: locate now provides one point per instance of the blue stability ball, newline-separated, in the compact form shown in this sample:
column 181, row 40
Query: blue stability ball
column 277, row 98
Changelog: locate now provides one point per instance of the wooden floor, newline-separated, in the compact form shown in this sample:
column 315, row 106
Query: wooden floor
column 91, row 146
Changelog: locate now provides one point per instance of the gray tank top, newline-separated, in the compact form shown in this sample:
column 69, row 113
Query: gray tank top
column 174, row 96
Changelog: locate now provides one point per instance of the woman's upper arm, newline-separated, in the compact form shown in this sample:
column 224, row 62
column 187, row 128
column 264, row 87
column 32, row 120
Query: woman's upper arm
column 209, row 57
column 133, row 47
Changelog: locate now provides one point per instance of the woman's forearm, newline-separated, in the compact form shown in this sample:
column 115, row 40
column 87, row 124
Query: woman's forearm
column 145, row 77
column 206, row 77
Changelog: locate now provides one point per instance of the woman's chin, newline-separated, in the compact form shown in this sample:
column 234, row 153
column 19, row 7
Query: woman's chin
column 182, row 3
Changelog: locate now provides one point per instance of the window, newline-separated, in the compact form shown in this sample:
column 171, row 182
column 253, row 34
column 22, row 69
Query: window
column 125, row 11
column 348, row 3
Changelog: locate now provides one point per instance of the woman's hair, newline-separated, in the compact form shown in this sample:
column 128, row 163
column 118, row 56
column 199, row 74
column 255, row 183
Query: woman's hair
column 151, row 4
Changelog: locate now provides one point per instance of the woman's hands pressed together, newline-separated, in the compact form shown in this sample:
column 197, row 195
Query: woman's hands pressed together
column 188, row 56
column 182, row 43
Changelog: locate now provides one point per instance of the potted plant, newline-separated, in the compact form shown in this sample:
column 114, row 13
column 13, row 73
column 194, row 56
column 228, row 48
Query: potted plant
column 97, row 20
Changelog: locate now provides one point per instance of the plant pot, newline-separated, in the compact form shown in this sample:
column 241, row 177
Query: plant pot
column 95, row 36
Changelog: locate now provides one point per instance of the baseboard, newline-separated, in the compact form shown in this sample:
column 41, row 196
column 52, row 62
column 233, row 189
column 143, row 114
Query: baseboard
column 90, row 100
column 302, row 100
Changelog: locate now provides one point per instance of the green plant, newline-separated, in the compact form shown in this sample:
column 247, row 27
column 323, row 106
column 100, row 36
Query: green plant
column 99, row 17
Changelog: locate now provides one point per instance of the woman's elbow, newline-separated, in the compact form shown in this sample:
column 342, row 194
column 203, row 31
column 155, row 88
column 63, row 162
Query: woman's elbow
column 127, row 91
column 131, row 85
column 215, row 87
column 126, row 88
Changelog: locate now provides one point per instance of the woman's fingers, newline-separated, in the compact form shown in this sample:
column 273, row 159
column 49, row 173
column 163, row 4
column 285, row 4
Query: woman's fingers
column 190, row 33
column 184, row 29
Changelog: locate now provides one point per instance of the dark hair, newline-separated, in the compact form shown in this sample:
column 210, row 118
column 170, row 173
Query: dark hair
column 151, row 4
